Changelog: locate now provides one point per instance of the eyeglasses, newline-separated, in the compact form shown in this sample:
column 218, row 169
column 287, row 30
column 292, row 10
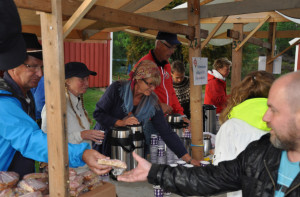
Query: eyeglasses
column 34, row 68
column 168, row 46
column 148, row 84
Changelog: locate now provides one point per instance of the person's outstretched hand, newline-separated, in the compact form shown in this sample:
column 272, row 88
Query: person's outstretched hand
column 139, row 173
column 90, row 157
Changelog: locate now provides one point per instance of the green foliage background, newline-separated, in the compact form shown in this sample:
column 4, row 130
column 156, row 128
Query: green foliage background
column 128, row 49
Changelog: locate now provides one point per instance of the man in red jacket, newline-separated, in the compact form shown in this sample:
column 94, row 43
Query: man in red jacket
column 165, row 46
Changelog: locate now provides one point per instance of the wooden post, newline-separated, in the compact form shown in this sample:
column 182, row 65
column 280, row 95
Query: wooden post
column 237, row 57
column 270, row 52
column 196, row 91
column 53, row 55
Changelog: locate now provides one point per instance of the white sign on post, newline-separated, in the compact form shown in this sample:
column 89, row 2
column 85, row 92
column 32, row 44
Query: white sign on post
column 276, row 64
column 200, row 70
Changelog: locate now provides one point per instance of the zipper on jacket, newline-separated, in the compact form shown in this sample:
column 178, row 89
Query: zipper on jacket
column 289, row 191
column 163, row 73
column 273, row 182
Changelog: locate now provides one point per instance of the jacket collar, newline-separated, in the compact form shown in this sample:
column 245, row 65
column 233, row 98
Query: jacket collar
column 16, row 89
column 159, row 64
column 216, row 74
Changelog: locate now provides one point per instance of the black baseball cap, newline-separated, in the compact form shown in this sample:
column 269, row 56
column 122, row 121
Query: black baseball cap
column 33, row 47
column 12, row 45
column 169, row 37
column 77, row 69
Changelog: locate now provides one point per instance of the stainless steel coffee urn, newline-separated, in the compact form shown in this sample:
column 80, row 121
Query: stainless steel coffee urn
column 138, row 141
column 122, row 145
column 207, row 144
column 177, row 124
column 209, row 119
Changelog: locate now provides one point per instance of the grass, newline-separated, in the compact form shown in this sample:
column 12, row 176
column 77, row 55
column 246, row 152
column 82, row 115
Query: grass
column 91, row 97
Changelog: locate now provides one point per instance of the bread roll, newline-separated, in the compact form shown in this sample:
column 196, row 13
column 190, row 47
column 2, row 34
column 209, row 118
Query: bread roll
column 32, row 185
column 113, row 163
column 8, row 180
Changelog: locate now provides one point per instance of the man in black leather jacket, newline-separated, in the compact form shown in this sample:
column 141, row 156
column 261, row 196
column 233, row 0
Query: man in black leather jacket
column 259, row 170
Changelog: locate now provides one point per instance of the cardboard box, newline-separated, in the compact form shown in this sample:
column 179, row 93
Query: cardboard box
column 105, row 190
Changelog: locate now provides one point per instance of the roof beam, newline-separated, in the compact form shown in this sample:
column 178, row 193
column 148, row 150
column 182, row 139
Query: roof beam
column 112, row 15
column 225, row 9
column 264, row 34
column 251, row 33
column 282, row 52
column 74, row 34
column 212, row 33
column 134, row 5
column 256, row 41
column 77, row 16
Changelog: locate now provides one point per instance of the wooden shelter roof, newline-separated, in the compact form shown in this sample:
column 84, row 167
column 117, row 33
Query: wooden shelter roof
column 109, row 16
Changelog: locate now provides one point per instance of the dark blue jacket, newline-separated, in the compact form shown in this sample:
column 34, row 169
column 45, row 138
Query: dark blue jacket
column 109, row 110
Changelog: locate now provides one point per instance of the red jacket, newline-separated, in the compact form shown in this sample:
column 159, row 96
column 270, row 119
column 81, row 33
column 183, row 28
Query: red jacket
column 165, row 90
column 215, row 93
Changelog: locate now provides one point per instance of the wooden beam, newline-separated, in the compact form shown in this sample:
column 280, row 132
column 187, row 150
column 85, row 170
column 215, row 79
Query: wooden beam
column 243, row 18
column 131, row 19
column 204, row 2
column 264, row 34
column 237, row 57
column 55, row 100
column 77, row 16
column 247, row 18
column 212, row 33
column 195, row 91
column 236, row 35
column 151, row 34
column 114, row 16
column 74, row 34
column 131, row 6
column 252, row 32
column 134, row 5
column 226, row 9
column 282, row 52
column 270, row 52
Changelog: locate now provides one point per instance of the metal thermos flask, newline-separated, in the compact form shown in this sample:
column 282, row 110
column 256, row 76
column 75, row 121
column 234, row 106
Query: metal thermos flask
column 122, row 145
column 138, row 141
column 209, row 119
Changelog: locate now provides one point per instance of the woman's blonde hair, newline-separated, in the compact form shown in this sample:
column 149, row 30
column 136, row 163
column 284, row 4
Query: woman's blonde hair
column 82, row 102
column 255, row 85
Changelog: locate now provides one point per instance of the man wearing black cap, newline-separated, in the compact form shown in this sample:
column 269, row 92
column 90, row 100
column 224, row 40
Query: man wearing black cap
column 20, row 137
column 165, row 46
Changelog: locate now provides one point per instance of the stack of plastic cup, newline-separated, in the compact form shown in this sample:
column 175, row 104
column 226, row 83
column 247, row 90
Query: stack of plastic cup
column 187, row 133
column 153, row 148
column 160, row 141
column 161, row 156
column 158, row 191
column 104, row 177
